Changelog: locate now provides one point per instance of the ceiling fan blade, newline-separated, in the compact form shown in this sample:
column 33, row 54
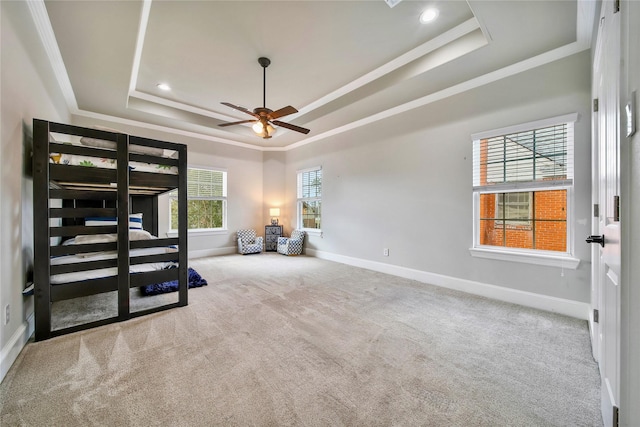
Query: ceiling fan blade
column 290, row 126
column 236, row 123
column 285, row 111
column 244, row 110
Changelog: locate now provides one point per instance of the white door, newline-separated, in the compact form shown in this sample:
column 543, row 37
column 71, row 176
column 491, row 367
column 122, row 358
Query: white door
column 606, row 279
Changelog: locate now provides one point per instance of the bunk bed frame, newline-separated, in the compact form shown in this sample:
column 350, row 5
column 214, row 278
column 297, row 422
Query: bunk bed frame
column 100, row 192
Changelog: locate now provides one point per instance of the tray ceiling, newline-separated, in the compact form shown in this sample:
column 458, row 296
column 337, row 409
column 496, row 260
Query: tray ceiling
column 342, row 64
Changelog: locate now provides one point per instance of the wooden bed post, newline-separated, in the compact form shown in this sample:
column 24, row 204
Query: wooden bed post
column 123, row 226
column 41, row 244
column 183, row 256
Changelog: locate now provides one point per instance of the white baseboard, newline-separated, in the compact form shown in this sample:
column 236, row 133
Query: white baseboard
column 14, row 346
column 563, row 306
column 213, row 252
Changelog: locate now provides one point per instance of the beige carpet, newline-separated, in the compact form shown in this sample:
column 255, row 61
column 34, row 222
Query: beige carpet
column 277, row 340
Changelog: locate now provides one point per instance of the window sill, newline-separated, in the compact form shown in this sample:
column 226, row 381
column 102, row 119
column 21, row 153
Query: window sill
column 312, row 232
column 174, row 233
column 543, row 258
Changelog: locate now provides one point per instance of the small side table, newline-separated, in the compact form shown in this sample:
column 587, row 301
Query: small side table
column 271, row 234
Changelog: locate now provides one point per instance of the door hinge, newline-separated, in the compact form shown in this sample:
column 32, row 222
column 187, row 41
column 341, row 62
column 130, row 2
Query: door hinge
column 616, row 208
column 596, row 316
column 616, row 6
column 615, row 416
column 595, row 105
column 596, row 210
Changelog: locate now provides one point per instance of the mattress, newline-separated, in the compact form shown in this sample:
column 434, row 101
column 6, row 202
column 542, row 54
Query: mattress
column 111, row 271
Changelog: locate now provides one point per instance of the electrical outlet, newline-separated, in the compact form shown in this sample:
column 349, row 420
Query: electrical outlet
column 7, row 314
column 385, row 252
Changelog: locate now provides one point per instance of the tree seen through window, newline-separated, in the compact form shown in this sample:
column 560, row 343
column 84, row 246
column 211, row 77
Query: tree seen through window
column 206, row 200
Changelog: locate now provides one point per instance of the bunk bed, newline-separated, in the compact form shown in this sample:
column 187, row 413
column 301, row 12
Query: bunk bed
column 95, row 223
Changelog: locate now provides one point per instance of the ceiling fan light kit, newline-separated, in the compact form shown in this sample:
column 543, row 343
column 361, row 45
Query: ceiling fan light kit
column 265, row 118
column 262, row 130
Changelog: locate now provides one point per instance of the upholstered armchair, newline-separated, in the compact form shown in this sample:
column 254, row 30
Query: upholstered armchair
column 248, row 243
column 291, row 245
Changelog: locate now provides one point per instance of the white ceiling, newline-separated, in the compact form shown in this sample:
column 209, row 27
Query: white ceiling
column 342, row 64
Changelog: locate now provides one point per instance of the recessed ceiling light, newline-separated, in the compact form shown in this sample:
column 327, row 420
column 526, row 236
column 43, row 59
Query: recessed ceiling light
column 429, row 15
column 163, row 86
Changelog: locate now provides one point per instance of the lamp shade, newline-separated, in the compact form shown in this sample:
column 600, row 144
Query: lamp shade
column 274, row 211
column 264, row 129
column 258, row 127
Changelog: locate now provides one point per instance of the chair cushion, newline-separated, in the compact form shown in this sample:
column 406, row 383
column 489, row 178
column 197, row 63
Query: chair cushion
column 247, row 236
column 295, row 246
column 297, row 234
column 252, row 249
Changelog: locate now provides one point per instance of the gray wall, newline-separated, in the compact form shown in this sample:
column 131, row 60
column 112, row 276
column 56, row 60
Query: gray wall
column 28, row 90
column 274, row 188
column 405, row 183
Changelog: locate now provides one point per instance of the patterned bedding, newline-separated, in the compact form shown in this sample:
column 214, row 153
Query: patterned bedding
column 101, row 162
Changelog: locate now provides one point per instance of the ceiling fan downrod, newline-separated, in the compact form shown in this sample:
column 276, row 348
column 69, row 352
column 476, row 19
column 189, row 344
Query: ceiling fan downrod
column 264, row 63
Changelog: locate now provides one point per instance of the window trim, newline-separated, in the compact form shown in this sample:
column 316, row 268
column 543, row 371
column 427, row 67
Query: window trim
column 300, row 200
column 530, row 256
column 172, row 232
column 540, row 257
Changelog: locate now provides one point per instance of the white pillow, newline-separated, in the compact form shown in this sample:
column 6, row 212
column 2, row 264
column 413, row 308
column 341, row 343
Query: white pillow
column 111, row 145
column 106, row 238
column 135, row 221
column 141, row 235
column 95, row 238
column 100, row 143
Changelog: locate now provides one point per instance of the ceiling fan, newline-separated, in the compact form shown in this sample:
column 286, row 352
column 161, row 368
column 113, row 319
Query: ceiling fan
column 264, row 118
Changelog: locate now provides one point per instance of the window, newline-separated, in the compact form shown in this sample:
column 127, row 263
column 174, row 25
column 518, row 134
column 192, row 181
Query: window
column 206, row 200
column 310, row 198
column 522, row 185
column 513, row 208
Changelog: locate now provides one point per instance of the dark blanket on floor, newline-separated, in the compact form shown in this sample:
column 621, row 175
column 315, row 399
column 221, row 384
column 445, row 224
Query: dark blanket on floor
column 194, row 281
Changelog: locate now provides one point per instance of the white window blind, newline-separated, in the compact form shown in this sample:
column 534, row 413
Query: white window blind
column 206, row 183
column 524, row 159
column 310, row 184
column 206, row 200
